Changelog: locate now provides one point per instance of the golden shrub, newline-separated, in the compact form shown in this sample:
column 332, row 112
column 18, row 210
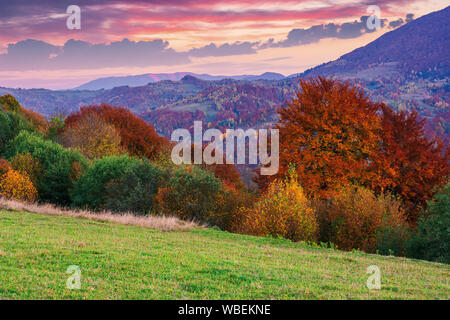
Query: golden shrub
column 283, row 211
column 17, row 186
column 356, row 214
column 26, row 164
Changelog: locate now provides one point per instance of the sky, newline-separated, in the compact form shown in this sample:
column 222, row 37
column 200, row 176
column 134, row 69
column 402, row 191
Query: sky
column 218, row 37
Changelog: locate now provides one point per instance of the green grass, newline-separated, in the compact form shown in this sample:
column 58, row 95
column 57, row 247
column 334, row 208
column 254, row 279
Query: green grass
column 130, row 262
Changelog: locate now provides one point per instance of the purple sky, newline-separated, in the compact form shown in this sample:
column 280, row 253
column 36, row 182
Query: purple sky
column 216, row 37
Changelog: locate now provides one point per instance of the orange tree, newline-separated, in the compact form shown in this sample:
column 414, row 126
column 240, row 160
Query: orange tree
column 137, row 136
column 17, row 186
column 93, row 137
column 330, row 131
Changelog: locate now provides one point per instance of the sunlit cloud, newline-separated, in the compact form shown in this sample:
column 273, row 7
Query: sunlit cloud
column 206, row 36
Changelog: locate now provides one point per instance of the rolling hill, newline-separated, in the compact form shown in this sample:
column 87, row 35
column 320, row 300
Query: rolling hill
column 144, row 79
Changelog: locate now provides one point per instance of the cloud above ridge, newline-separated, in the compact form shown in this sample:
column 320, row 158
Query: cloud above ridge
column 77, row 54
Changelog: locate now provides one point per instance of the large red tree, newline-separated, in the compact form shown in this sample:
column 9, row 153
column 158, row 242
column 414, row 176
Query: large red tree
column 137, row 136
column 330, row 132
column 335, row 136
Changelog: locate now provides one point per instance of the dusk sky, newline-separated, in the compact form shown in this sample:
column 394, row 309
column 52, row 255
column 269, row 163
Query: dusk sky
column 218, row 37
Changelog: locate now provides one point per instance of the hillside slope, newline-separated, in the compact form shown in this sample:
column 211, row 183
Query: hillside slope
column 131, row 262
column 416, row 48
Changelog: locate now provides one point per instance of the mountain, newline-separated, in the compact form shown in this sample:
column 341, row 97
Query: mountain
column 419, row 48
column 137, row 99
column 144, row 79
column 407, row 68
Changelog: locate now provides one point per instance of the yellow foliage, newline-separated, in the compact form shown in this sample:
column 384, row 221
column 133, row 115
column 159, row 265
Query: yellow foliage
column 26, row 164
column 284, row 211
column 93, row 137
column 356, row 214
column 16, row 186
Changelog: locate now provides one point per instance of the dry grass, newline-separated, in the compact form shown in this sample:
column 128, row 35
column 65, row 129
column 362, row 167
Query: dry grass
column 156, row 222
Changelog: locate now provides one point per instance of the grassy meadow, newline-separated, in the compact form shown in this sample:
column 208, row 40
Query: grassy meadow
column 120, row 261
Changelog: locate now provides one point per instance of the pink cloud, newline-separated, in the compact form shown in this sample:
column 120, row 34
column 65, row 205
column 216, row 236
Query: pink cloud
column 113, row 20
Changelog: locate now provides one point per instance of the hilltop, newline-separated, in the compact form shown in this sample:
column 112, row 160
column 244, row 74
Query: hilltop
column 144, row 79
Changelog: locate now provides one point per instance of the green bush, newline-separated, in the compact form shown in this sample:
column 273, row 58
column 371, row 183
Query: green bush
column 56, row 162
column 90, row 190
column 191, row 194
column 56, row 126
column 432, row 240
column 393, row 240
column 10, row 126
column 134, row 190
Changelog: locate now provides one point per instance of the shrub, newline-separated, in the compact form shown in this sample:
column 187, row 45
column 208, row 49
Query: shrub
column 356, row 215
column 227, row 204
column 55, row 161
column 16, row 186
column 321, row 207
column 190, row 193
column 93, row 137
column 283, row 211
column 134, row 190
column 432, row 238
column 90, row 190
column 393, row 240
column 26, row 164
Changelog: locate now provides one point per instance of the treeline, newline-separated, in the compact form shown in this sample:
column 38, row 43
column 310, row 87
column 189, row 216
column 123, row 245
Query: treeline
column 353, row 174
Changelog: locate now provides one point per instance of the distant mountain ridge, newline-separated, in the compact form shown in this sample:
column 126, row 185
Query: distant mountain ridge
column 404, row 72
column 419, row 48
column 144, row 79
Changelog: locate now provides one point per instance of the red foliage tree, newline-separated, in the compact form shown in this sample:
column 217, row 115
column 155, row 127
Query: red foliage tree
column 329, row 132
column 336, row 137
column 137, row 136
column 227, row 173
column 409, row 164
